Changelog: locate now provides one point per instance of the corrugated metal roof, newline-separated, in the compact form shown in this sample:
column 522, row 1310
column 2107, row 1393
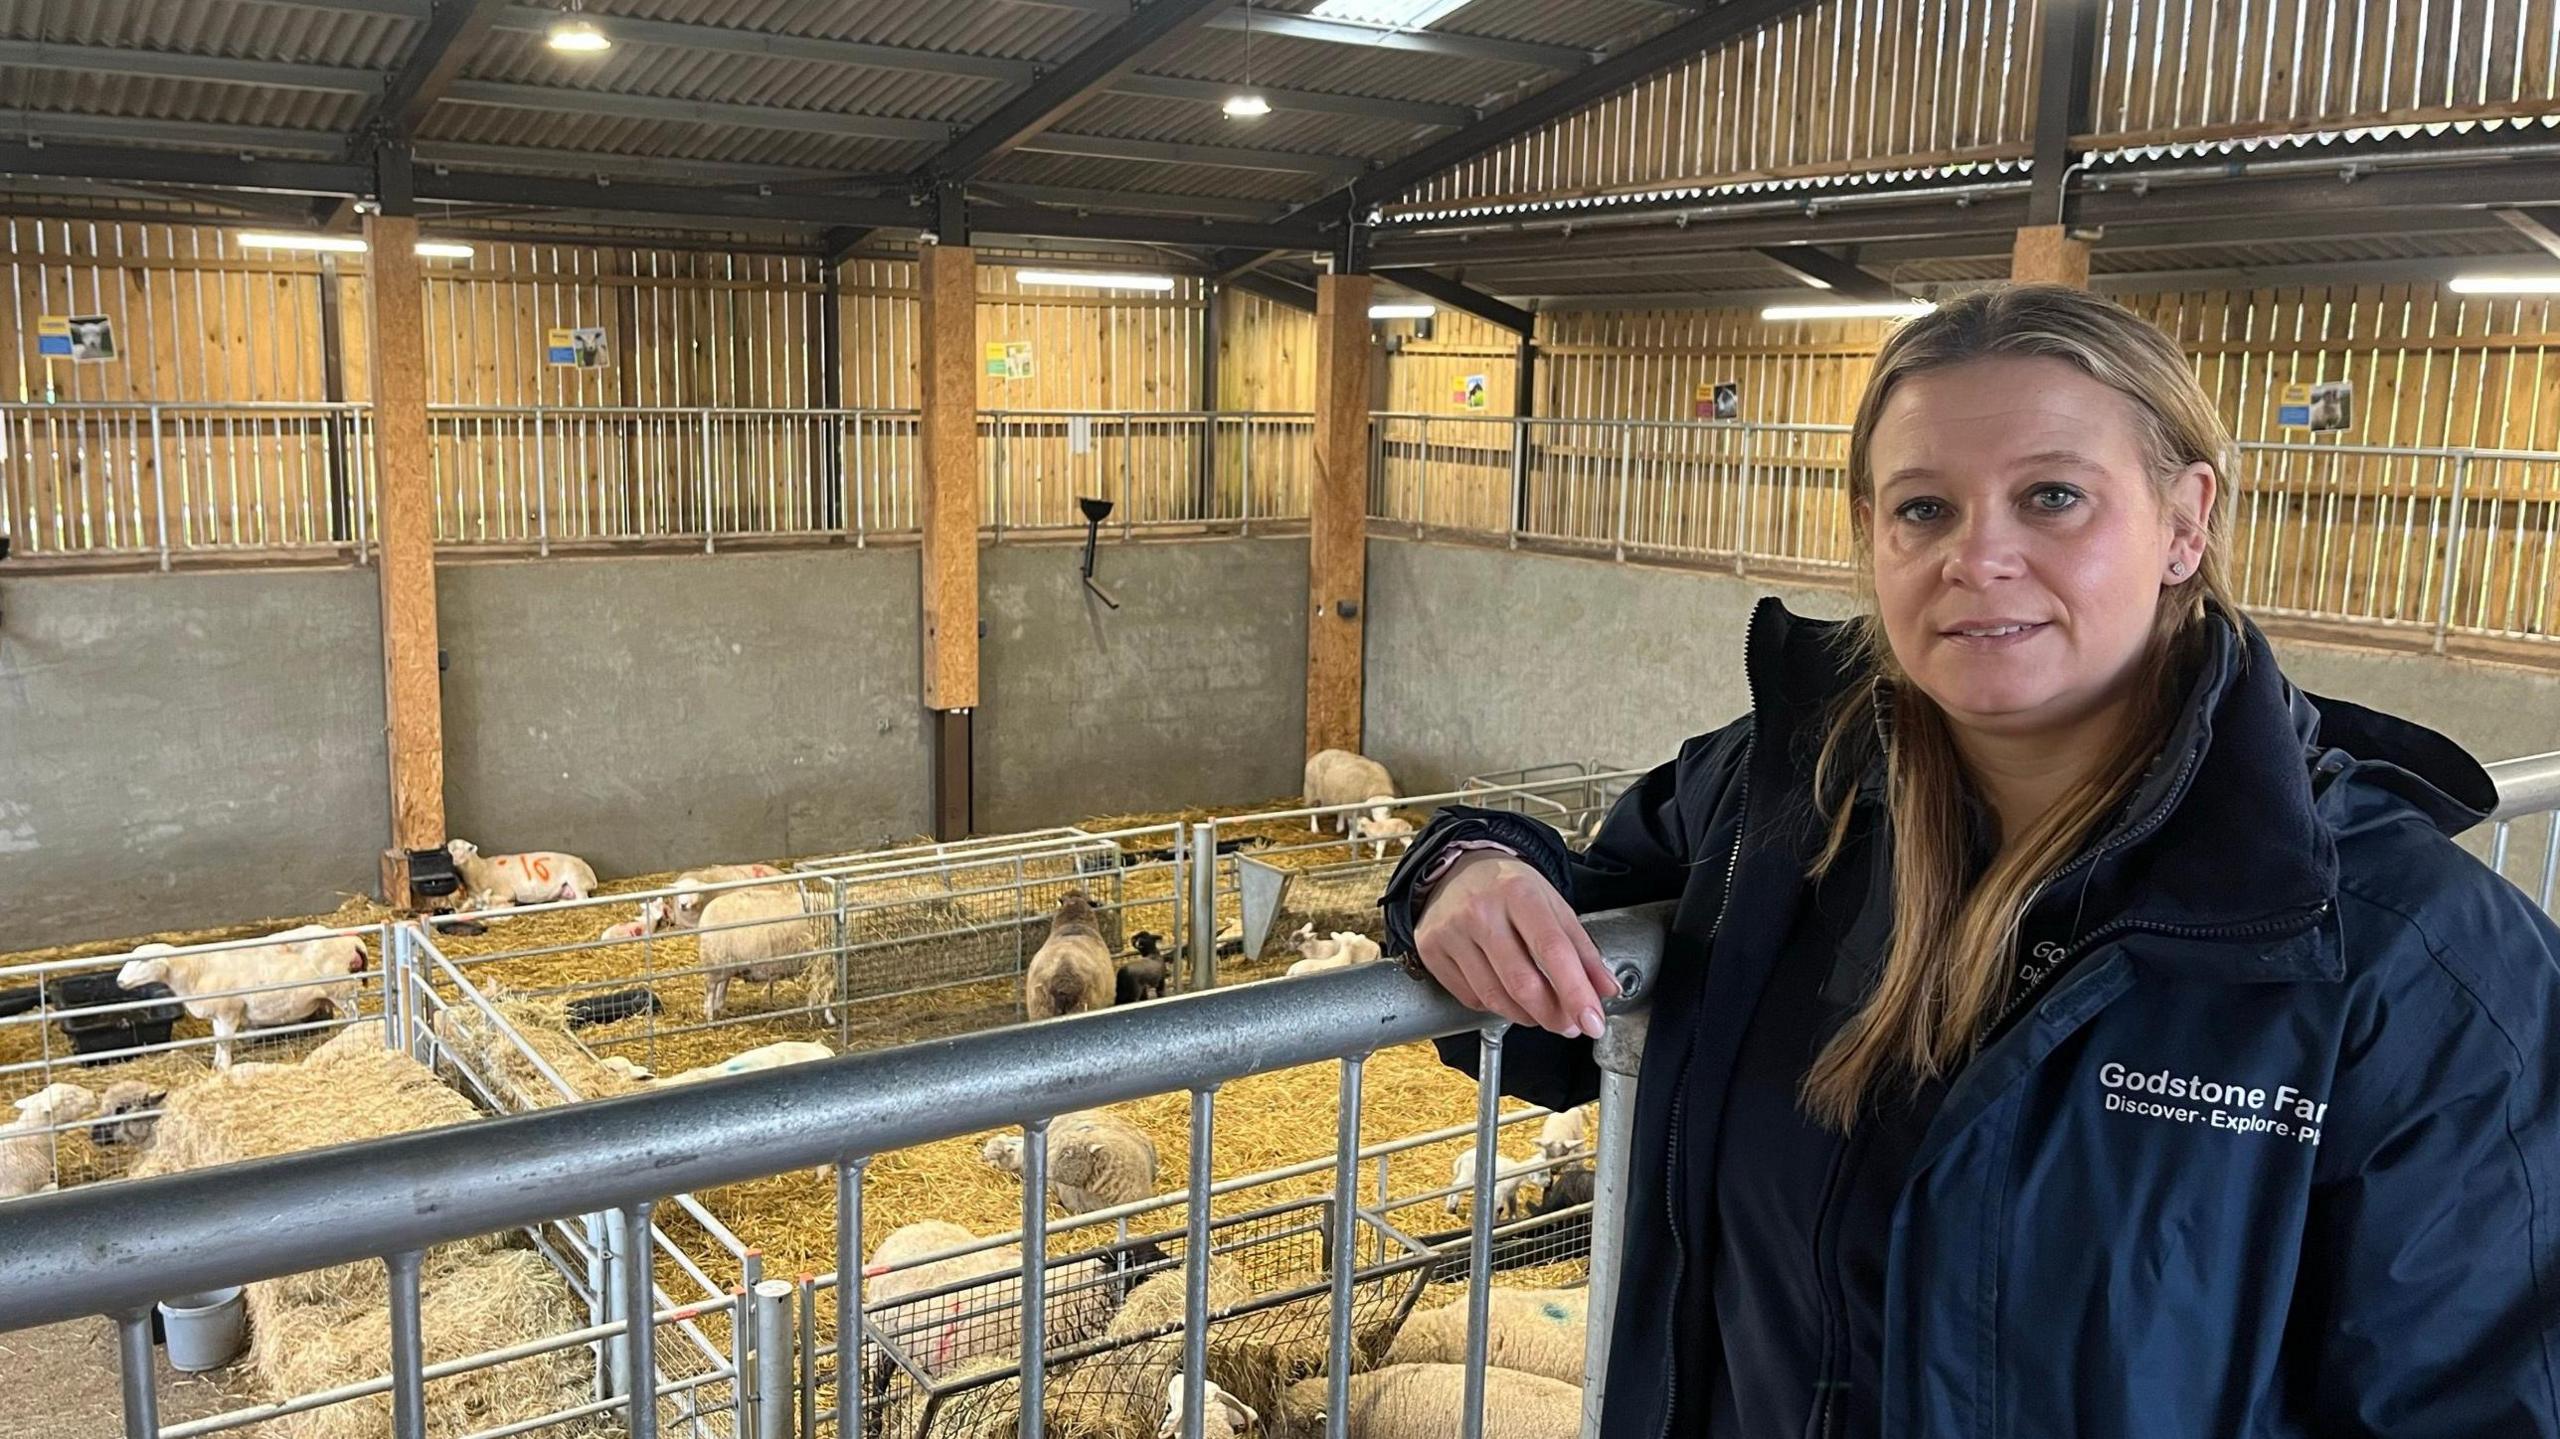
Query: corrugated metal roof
column 1081, row 172
column 484, row 125
column 738, row 79
column 75, row 92
column 303, row 34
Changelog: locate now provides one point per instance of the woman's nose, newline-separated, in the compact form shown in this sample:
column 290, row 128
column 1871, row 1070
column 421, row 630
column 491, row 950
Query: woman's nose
column 1982, row 551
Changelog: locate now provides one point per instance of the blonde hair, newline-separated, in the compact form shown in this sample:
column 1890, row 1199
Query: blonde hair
column 1947, row 966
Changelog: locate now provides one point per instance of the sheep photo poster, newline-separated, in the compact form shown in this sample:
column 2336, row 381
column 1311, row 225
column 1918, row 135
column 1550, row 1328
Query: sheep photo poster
column 81, row 339
column 578, row 348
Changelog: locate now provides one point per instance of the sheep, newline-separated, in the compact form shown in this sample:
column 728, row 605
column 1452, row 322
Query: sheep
column 1566, row 1188
column 1421, row 1401
column 1096, row 1160
column 628, row 929
column 683, row 909
column 1568, row 1132
column 944, row 1332
column 497, row 881
column 27, row 1142
column 1378, row 831
column 764, row 934
column 127, row 1097
column 1224, row 1417
column 1144, row 977
column 1509, row 1175
column 1339, row 950
column 763, row 1056
column 1072, row 972
column 207, row 983
column 1339, row 777
column 1531, row 1331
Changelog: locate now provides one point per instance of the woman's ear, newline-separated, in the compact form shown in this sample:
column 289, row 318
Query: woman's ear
column 2192, row 494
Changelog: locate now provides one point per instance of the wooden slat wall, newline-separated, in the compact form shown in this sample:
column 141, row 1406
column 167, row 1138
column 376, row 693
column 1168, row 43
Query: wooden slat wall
column 1091, row 350
column 1841, row 86
column 2189, row 69
column 1647, row 365
column 1266, row 355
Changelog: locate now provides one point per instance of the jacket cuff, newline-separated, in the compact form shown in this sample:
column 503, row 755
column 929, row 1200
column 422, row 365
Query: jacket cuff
column 1534, row 842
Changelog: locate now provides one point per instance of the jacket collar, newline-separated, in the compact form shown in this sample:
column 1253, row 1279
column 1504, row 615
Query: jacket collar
column 2225, row 855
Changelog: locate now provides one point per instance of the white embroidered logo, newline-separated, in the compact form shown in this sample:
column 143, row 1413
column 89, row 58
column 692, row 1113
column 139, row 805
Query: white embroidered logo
column 2283, row 1111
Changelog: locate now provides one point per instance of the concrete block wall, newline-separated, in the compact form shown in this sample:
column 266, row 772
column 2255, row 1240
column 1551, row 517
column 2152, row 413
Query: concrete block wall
column 181, row 750
column 651, row 712
column 1482, row 657
column 1193, row 692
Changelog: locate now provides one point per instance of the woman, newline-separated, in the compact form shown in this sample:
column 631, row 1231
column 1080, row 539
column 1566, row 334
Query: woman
column 2069, row 1028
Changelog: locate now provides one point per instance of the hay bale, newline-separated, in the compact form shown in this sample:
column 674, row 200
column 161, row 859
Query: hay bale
column 476, row 1303
column 463, row 1031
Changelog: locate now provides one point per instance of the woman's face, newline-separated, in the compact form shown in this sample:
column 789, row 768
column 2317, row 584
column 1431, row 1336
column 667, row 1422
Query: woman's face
column 2020, row 546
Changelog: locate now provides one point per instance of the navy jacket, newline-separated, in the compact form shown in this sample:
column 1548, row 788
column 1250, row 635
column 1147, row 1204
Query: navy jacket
column 2278, row 1155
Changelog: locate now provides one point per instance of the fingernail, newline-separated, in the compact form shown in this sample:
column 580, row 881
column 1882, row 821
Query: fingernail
column 1592, row 1023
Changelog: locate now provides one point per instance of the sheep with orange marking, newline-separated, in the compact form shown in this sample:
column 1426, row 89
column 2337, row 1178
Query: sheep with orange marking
column 497, row 881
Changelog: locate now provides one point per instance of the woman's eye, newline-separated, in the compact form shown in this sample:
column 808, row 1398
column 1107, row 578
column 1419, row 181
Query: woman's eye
column 1920, row 512
column 2053, row 499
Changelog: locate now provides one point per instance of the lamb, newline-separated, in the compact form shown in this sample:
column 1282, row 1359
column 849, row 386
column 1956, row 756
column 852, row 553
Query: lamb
column 628, row 929
column 683, row 909
column 1339, row 777
column 1509, row 1175
column 1096, row 1160
column 1532, row 1331
column 1072, row 972
column 1421, row 1401
column 763, row 1056
column 1566, row 1188
column 1225, row 1415
column 209, row 982
column 764, row 934
column 497, row 881
column 1568, row 1132
column 1339, row 950
column 27, row 1142
column 127, row 1097
column 945, row 1332
column 1378, row 831
column 1144, row 977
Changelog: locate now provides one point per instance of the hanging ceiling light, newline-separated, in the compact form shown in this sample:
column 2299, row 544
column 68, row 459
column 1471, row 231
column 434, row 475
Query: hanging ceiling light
column 1836, row 310
column 575, row 34
column 1247, row 103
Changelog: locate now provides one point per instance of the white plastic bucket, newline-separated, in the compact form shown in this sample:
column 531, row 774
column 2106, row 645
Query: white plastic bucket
column 205, row 1331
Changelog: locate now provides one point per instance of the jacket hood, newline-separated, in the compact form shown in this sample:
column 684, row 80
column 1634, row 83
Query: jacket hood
column 2231, row 833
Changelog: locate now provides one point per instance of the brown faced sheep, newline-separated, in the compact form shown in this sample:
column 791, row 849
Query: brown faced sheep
column 127, row 1112
column 1072, row 972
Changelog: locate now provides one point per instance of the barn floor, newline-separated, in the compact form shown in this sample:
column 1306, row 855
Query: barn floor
column 63, row 1385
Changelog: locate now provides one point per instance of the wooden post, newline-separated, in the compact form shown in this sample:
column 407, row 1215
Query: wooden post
column 395, row 309
column 947, row 380
column 2048, row 254
column 1337, row 517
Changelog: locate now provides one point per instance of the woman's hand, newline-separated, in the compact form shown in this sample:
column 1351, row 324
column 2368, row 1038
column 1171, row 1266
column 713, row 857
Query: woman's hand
column 1499, row 938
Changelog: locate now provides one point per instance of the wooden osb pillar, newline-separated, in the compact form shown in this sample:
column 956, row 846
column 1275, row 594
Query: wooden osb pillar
column 2047, row 254
column 413, row 701
column 947, row 380
column 1337, row 516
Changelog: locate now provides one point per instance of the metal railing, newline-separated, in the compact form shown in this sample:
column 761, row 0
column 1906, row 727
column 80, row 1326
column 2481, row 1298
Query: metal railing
column 1157, row 468
column 2442, row 541
column 118, row 1249
column 2528, row 789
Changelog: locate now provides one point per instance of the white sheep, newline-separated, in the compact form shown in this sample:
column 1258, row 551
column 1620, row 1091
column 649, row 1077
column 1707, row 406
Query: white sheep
column 1096, row 1160
column 1339, row 777
column 942, row 1333
column 1534, row 1331
column 764, row 934
column 127, row 1113
column 683, row 909
column 210, row 982
column 628, row 929
column 27, row 1142
column 1072, row 972
column 1421, row 1401
column 1223, row 1416
column 1509, row 1176
column 1568, row 1132
column 499, row 880
column 1339, row 950
column 1378, row 831
column 763, row 1056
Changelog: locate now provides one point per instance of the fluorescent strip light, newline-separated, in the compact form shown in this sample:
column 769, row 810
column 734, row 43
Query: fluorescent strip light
column 273, row 240
column 1095, row 279
column 1399, row 14
column 2505, row 284
column 443, row 250
column 1403, row 312
column 1885, row 310
column 578, row 36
